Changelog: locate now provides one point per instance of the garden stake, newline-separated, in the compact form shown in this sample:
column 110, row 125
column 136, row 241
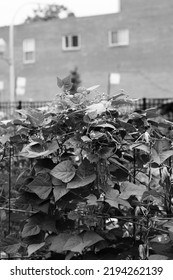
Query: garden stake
column 9, row 193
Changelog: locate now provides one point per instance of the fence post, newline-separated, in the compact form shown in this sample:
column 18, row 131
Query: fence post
column 144, row 104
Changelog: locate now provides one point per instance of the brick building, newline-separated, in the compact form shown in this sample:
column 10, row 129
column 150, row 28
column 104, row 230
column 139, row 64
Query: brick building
column 136, row 42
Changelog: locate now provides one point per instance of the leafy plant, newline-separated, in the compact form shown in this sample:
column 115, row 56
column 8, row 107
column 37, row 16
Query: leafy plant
column 99, row 181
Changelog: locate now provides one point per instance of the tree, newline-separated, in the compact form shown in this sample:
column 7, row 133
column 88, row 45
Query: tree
column 48, row 12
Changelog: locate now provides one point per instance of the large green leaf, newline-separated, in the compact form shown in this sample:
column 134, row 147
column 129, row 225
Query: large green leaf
column 127, row 189
column 111, row 197
column 59, row 191
column 65, row 171
column 34, row 116
column 30, row 229
column 77, row 243
column 57, row 242
column 140, row 146
column 10, row 244
column 32, row 248
column 35, row 149
column 78, row 182
column 41, row 185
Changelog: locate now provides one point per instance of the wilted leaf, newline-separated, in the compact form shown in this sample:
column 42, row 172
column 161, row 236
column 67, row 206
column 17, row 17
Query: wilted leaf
column 34, row 247
column 64, row 171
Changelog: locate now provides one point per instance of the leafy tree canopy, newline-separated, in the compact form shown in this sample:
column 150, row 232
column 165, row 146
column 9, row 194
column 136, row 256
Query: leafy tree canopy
column 48, row 12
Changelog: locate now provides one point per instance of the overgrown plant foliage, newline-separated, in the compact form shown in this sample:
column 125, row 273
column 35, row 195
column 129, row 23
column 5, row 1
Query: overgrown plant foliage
column 99, row 184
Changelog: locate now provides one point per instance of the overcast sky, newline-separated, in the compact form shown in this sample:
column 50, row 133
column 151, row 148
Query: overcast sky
column 19, row 9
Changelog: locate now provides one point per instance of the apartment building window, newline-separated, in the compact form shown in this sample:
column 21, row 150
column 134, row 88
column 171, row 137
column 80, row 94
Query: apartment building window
column 29, row 51
column 71, row 42
column 118, row 38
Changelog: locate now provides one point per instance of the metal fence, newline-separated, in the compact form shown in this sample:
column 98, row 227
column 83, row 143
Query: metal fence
column 6, row 108
column 165, row 105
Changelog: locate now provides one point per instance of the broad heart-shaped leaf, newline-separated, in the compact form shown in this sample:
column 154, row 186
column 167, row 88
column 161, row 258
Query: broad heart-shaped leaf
column 86, row 168
column 34, row 116
column 34, row 247
column 75, row 244
column 91, row 199
column 78, row 182
column 79, row 242
column 59, row 191
column 10, row 244
column 143, row 147
column 111, row 197
column 41, row 185
column 161, row 145
column 159, row 158
column 30, row 229
column 29, row 150
column 65, row 171
column 165, row 155
column 127, row 189
column 57, row 242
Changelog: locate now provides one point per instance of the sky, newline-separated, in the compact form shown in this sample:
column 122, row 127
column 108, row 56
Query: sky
column 17, row 10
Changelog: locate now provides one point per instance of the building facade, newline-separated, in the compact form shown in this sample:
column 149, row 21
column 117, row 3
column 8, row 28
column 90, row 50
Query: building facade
column 136, row 43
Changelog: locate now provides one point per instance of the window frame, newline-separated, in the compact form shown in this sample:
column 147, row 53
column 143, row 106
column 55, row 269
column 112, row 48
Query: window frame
column 118, row 44
column 70, row 47
column 30, row 50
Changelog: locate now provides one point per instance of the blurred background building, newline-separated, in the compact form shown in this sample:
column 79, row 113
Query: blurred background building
column 130, row 50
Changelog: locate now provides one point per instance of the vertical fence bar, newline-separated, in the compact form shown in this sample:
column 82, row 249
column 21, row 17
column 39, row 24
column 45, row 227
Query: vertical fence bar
column 9, row 192
column 144, row 103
